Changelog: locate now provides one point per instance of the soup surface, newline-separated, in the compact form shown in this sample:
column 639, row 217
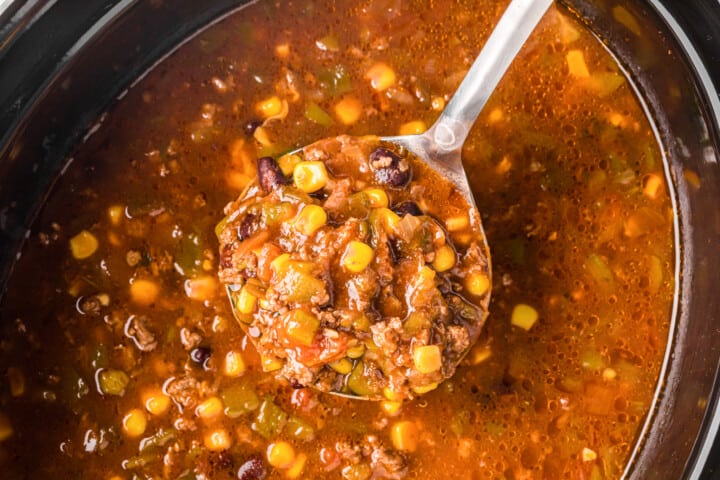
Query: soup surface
column 121, row 359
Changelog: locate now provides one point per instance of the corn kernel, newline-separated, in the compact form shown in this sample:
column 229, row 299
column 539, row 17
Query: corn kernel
column 310, row 176
column 310, row 219
column 115, row 214
column 201, row 288
column 246, row 301
column 495, row 115
column 390, row 408
column 576, row 64
column 16, row 379
column 269, row 107
column 389, row 219
column 457, row 223
column 280, row 263
column 83, row 245
column 282, row 50
column 404, row 436
column 427, row 358
column 437, row 103
column 477, row 284
column 524, row 316
column 342, row 366
column 356, row 351
column 377, row 197
column 209, row 408
column 444, row 259
column 134, row 423
column 609, row 374
column 143, row 292
column 588, row 455
column 234, row 364
column 302, row 326
column 6, row 429
column 357, row 256
column 391, row 395
column 270, row 364
column 287, row 163
column 652, row 186
column 262, row 136
column 297, row 467
column 217, row 440
column 479, row 354
column 415, row 127
column 381, row 76
column 280, row 455
column 421, row 389
column 155, row 401
column 348, row 110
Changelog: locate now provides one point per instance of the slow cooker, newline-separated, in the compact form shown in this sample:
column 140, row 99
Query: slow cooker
column 62, row 64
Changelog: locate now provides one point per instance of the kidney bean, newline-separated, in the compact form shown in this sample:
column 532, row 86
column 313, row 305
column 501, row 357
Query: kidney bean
column 251, row 126
column 408, row 207
column 252, row 469
column 270, row 174
column 247, row 226
column 389, row 167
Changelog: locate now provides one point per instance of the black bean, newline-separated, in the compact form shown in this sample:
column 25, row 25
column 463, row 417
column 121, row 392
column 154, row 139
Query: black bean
column 251, row 126
column 252, row 469
column 247, row 226
column 200, row 355
column 389, row 167
column 408, row 207
column 270, row 174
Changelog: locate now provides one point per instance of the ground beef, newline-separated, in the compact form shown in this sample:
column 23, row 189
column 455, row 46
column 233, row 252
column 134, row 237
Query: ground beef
column 136, row 329
column 184, row 391
column 338, row 289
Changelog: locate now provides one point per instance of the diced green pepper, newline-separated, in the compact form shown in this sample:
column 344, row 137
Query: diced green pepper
column 161, row 438
column 300, row 429
column 600, row 272
column 302, row 327
column 270, row 419
column 359, row 383
column 113, row 382
column 416, row 322
column 314, row 113
column 239, row 399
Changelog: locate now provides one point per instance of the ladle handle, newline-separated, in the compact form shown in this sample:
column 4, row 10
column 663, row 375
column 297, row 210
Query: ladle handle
column 519, row 20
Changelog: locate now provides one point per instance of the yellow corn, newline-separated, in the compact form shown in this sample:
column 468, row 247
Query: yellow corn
column 287, row 163
column 280, row 264
column 155, row 401
column 437, row 103
column 588, row 455
column 652, row 186
column 262, row 136
column 6, row 429
column 457, row 223
column 477, row 284
column 356, row 351
column 234, row 364
column 269, row 107
column 444, row 259
column 412, row 128
column 342, row 366
column 427, row 358
column 357, row 256
column 16, row 379
column 134, row 423
column 270, row 364
column 609, row 374
column 115, row 214
column 143, row 292
column 381, row 76
column 217, row 440
column 390, row 408
column 377, row 197
column 281, row 455
column 310, row 176
column 391, row 395
column 310, row 219
column 479, row 354
column 388, row 219
column 210, row 408
column 348, row 110
column 425, row 388
column 246, row 301
column 495, row 115
column 302, row 326
column 201, row 288
column 297, row 467
column 282, row 50
column 576, row 64
column 404, row 436
column 524, row 316
column 83, row 245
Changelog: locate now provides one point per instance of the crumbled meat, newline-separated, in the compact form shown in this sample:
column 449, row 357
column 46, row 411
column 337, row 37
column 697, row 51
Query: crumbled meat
column 136, row 329
column 189, row 338
column 184, row 391
column 458, row 338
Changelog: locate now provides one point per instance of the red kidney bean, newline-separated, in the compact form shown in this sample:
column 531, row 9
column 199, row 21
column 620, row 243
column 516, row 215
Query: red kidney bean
column 270, row 174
